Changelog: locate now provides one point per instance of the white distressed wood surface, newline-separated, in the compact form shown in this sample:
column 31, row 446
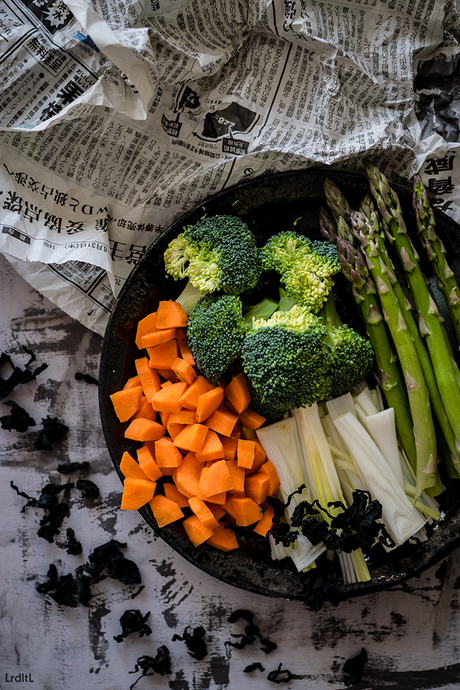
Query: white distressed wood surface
column 411, row 633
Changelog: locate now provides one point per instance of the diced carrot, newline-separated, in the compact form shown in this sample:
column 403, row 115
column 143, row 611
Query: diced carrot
column 245, row 453
column 223, row 538
column 157, row 337
column 215, row 479
column 185, row 351
column 136, row 493
column 126, row 402
column 203, row 513
column 147, row 463
column 246, row 511
column 196, row 531
column 183, row 417
column 174, row 429
column 148, row 323
column 183, row 370
column 248, row 433
column 238, row 476
column 259, row 459
column 165, row 510
column 228, row 506
column 167, row 399
column 162, row 356
column 251, row 418
column 217, row 510
column 230, row 445
column 133, row 382
column 237, row 393
column 212, row 448
column 150, row 381
column 171, row 315
column 257, row 487
column 187, row 476
column 236, row 433
column 144, row 430
column 166, row 383
column 269, row 469
column 175, row 495
column 145, row 410
column 218, row 499
column 191, row 438
column 167, row 375
column 208, row 403
column 130, row 468
column 266, row 522
column 167, row 454
column 222, row 421
column 189, row 400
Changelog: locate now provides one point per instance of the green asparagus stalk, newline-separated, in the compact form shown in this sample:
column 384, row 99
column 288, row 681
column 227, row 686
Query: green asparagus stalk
column 436, row 252
column 419, row 402
column 406, row 306
column 365, row 295
column 429, row 323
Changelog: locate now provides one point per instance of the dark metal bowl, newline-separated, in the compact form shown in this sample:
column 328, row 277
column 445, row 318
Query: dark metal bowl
column 270, row 204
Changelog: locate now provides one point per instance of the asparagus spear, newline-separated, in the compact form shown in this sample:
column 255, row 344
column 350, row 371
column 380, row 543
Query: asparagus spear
column 424, row 432
column 365, row 295
column 429, row 324
column 436, row 253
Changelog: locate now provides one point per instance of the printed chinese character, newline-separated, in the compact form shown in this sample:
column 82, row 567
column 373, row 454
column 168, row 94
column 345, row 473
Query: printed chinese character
column 442, row 186
column 135, row 254
column 13, row 203
column 31, row 212
column 438, row 165
column 74, row 226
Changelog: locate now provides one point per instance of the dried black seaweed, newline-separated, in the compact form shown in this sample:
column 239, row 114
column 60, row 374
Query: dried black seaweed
column 280, row 675
column 353, row 668
column 18, row 375
column 257, row 666
column 53, row 430
column 19, row 419
column 73, row 547
column 62, row 588
column 87, row 378
column 160, row 664
column 251, row 633
column 194, row 641
column 70, row 467
column 88, row 488
column 320, row 585
column 133, row 621
column 107, row 557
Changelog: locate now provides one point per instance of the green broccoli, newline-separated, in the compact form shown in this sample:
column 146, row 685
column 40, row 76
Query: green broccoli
column 306, row 268
column 352, row 356
column 215, row 333
column 286, row 361
column 218, row 253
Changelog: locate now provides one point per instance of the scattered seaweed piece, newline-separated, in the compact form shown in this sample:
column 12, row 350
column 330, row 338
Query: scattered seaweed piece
column 62, row 588
column 88, row 488
column 353, row 668
column 195, row 642
column 133, row 621
column 280, row 675
column 19, row 419
column 108, row 557
column 32, row 501
column 320, row 585
column 160, row 664
column 257, row 666
column 87, row 378
column 18, row 375
column 74, row 547
column 251, row 633
column 53, row 430
column 269, row 646
column 70, row 467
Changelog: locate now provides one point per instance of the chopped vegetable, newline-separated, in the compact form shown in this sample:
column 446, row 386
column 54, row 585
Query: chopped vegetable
column 133, row 621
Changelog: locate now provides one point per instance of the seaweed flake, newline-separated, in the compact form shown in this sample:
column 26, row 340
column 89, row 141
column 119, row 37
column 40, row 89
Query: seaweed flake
column 280, row 675
column 48, row 532
column 19, row 419
column 194, row 641
column 18, row 375
column 53, row 430
column 87, row 378
column 74, row 547
column 251, row 633
column 354, row 667
column 70, row 467
column 257, row 666
column 64, row 586
column 88, row 488
column 32, row 501
column 160, row 664
column 320, row 585
column 108, row 557
column 133, row 621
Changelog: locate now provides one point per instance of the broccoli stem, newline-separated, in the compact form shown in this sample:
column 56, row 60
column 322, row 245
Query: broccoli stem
column 436, row 253
column 262, row 310
column 429, row 323
column 424, row 432
column 405, row 305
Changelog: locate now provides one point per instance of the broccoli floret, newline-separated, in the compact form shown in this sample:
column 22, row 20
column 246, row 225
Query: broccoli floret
column 306, row 268
column 286, row 361
column 215, row 332
column 352, row 356
column 218, row 253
